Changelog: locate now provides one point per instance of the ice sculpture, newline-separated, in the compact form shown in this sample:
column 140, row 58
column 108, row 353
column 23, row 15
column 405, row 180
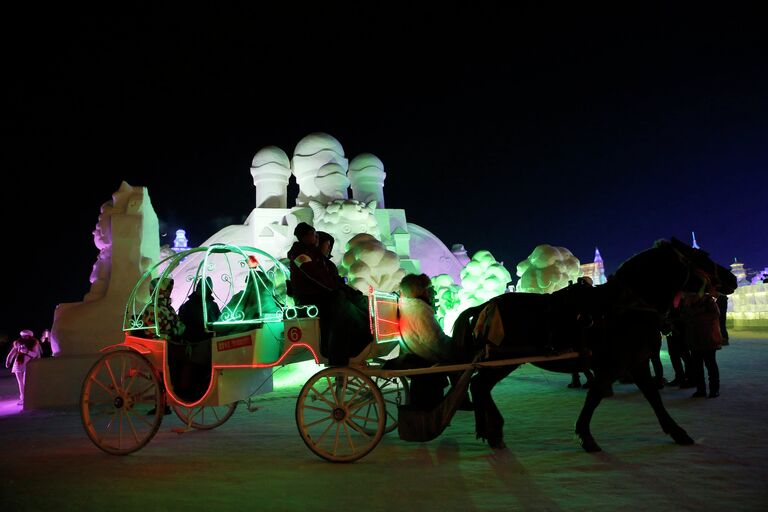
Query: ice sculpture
column 368, row 263
column 547, row 269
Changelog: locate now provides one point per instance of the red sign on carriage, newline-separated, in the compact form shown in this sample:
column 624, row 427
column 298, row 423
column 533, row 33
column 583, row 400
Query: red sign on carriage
column 293, row 334
column 243, row 341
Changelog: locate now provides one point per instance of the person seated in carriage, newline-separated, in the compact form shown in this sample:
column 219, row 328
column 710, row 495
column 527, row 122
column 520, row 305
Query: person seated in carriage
column 168, row 323
column 254, row 301
column 343, row 310
column 423, row 341
column 190, row 360
column 191, row 312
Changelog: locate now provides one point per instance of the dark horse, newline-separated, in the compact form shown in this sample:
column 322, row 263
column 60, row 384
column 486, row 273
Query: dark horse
column 615, row 326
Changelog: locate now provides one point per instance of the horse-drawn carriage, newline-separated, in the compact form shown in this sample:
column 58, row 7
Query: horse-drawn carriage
column 343, row 412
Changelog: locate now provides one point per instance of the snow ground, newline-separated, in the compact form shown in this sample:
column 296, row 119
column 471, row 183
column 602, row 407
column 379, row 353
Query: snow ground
column 257, row 460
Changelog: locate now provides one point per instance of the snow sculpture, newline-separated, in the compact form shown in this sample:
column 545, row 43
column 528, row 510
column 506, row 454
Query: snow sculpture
column 311, row 153
column 127, row 235
column 332, row 182
column 344, row 219
column 368, row 263
column 366, row 172
column 102, row 238
column 447, row 300
column 482, row 279
column 434, row 257
column 271, row 170
column 547, row 269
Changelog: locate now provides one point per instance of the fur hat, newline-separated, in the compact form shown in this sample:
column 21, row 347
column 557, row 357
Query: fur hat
column 302, row 228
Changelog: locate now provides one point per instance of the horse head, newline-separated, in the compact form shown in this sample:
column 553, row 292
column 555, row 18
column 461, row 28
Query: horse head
column 704, row 274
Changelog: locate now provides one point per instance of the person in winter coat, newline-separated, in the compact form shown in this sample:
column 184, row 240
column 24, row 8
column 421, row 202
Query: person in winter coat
column 343, row 310
column 702, row 335
column 24, row 349
column 191, row 312
column 168, row 324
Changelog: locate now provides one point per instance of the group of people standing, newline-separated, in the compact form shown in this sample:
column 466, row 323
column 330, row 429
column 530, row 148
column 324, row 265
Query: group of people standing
column 22, row 351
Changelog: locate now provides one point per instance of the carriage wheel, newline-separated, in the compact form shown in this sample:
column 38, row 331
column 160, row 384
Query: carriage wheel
column 395, row 391
column 331, row 410
column 205, row 417
column 118, row 395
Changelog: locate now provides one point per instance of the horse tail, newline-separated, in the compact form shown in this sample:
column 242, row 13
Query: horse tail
column 463, row 337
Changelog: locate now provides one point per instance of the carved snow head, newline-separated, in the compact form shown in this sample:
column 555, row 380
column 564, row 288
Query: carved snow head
column 344, row 219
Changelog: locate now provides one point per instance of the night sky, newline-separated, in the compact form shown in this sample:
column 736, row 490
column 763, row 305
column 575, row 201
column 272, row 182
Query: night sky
column 498, row 129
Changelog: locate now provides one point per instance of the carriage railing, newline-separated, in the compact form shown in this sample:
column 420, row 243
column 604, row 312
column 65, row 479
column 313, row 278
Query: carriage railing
column 384, row 318
column 257, row 276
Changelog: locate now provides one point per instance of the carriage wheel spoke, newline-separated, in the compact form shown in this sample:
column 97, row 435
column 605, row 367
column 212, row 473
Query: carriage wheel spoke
column 133, row 429
column 349, row 438
column 313, row 408
column 103, row 386
column 360, row 406
column 307, row 425
column 111, row 375
column 331, row 386
column 336, row 441
column 320, row 439
column 142, row 419
column 120, row 430
column 358, row 428
column 321, row 397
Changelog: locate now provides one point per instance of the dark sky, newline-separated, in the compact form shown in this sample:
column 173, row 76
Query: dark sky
column 499, row 129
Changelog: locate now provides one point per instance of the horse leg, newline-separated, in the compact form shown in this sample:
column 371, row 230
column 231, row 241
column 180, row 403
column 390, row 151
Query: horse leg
column 644, row 382
column 594, row 397
column 489, row 422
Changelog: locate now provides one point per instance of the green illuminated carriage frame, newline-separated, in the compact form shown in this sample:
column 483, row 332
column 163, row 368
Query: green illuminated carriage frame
column 125, row 393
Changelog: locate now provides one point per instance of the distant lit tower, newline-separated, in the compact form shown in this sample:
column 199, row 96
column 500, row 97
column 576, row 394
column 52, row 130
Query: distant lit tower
column 738, row 270
column 694, row 244
column 595, row 270
column 180, row 242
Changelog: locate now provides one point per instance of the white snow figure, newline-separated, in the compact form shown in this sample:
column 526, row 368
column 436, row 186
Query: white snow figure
column 547, row 269
column 343, row 219
column 102, row 238
column 447, row 299
column 482, row 279
column 368, row 263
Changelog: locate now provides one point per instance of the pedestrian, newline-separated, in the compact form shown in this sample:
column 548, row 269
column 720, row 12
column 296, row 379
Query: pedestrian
column 24, row 349
column 45, row 343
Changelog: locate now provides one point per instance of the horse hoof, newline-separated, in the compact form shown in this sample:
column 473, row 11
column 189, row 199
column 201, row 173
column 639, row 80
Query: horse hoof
column 497, row 444
column 588, row 443
column 681, row 437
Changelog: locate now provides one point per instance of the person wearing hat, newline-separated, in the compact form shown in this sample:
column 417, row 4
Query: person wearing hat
column 343, row 311
column 25, row 348
column 160, row 310
column 311, row 277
